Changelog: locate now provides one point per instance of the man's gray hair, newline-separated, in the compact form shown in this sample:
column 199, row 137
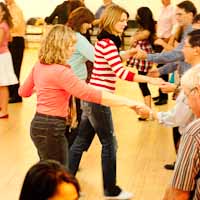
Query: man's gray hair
column 191, row 78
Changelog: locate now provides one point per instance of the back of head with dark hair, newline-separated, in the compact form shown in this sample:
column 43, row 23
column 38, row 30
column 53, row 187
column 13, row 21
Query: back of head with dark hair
column 78, row 17
column 145, row 20
column 72, row 5
column 188, row 6
column 194, row 38
column 6, row 16
column 42, row 179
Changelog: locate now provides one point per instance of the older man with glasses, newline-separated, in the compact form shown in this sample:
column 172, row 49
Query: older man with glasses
column 185, row 183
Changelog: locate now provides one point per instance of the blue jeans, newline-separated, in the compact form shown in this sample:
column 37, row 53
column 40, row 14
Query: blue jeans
column 48, row 135
column 99, row 118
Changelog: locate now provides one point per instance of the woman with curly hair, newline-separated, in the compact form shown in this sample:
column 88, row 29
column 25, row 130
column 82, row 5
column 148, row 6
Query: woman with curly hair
column 143, row 39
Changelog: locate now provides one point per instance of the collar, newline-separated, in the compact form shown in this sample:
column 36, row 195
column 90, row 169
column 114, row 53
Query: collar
column 106, row 35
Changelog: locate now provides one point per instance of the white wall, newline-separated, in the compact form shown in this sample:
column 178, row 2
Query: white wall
column 42, row 8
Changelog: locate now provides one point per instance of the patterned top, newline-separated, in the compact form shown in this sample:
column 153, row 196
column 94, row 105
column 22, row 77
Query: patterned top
column 187, row 170
column 141, row 65
column 108, row 66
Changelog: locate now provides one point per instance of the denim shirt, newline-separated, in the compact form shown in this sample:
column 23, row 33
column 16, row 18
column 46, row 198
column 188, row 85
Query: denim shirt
column 182, row 67
column 171, row 56
column 180, row 115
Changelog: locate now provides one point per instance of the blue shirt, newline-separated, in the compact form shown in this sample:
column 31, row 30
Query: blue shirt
column 84, row 51
column 172, row 56
column 99, row 11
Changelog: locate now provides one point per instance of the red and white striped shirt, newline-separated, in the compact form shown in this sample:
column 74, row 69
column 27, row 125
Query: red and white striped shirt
column 108, row 66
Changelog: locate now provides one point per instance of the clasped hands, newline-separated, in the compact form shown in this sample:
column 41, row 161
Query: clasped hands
column 165, row 87
column 140, row 108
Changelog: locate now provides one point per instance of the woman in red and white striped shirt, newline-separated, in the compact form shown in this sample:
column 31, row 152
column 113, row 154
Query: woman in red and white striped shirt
column 107, row 67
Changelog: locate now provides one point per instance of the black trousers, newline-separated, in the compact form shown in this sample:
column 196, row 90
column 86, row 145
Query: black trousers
column 176, row 138
column 16, row 48
column 144, row 86
column 162, row 96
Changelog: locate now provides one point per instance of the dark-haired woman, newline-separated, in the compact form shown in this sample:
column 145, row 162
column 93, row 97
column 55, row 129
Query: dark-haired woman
column 7, row 75
column 49, row 180
column 80, row 20
column 143, row 39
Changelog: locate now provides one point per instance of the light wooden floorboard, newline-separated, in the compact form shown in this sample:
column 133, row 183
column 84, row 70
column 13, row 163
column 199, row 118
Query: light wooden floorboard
column 144, row 147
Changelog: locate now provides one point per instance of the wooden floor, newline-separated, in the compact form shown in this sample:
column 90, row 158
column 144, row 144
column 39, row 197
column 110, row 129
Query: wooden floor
column 144, row 147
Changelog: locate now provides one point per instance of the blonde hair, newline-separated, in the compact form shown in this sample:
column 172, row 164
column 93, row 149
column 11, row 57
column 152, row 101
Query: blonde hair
column 55, row 45
column 111, row 15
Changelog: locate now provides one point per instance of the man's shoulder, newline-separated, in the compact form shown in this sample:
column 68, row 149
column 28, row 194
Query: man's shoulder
column 193, row 129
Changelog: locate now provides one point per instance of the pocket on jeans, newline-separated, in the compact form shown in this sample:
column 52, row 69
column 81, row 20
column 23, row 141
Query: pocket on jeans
column 86, row 107
column 38, row 132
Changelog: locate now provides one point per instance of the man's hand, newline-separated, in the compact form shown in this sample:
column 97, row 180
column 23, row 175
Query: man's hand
column 141, row 55
column 159, row 42
column 156, row 81
column 143, row 111
column 167, row 87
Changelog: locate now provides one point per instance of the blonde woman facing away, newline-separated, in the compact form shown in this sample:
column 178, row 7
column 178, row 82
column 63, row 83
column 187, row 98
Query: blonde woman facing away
column 54, row 82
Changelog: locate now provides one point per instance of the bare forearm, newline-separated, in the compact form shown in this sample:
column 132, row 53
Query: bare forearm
column 141, row 78
column 109, row 99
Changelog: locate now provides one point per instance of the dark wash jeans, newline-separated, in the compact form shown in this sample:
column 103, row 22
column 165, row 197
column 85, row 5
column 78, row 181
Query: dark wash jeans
column 99, row 118
column 48, row 135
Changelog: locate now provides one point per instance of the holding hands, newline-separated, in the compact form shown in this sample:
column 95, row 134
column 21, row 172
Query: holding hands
column 153, row 73
column 156, row 81
column 167, row 87
column 139, row 54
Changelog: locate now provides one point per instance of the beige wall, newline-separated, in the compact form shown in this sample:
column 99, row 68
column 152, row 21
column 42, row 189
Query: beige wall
column 42, row 8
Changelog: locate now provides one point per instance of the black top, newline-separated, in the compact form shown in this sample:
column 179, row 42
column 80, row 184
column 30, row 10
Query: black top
column 61, row 11
column 104, row 35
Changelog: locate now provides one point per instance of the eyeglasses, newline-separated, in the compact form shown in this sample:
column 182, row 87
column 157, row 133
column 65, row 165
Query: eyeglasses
column 191, row 92
column 187, row 46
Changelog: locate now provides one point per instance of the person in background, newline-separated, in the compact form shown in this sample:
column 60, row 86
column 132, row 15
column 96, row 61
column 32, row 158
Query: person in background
column 185, row 13
column 61, row 12
column 165, row 24
column 80, row 20
column 185, row 184
column 49, row 180
column 100, row 10
column 54, row 82
column 16, row 46
column 7, row 75
column 143, row 38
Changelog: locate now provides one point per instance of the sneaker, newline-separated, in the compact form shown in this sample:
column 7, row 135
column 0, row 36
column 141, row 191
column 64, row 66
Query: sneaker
column 123, row 195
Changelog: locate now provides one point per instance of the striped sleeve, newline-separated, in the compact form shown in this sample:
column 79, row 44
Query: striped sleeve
column 111, row 55
column 188, row 161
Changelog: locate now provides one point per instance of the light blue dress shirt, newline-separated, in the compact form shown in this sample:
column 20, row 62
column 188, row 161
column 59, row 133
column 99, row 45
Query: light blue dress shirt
column 179, row 116
column 171, row 56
